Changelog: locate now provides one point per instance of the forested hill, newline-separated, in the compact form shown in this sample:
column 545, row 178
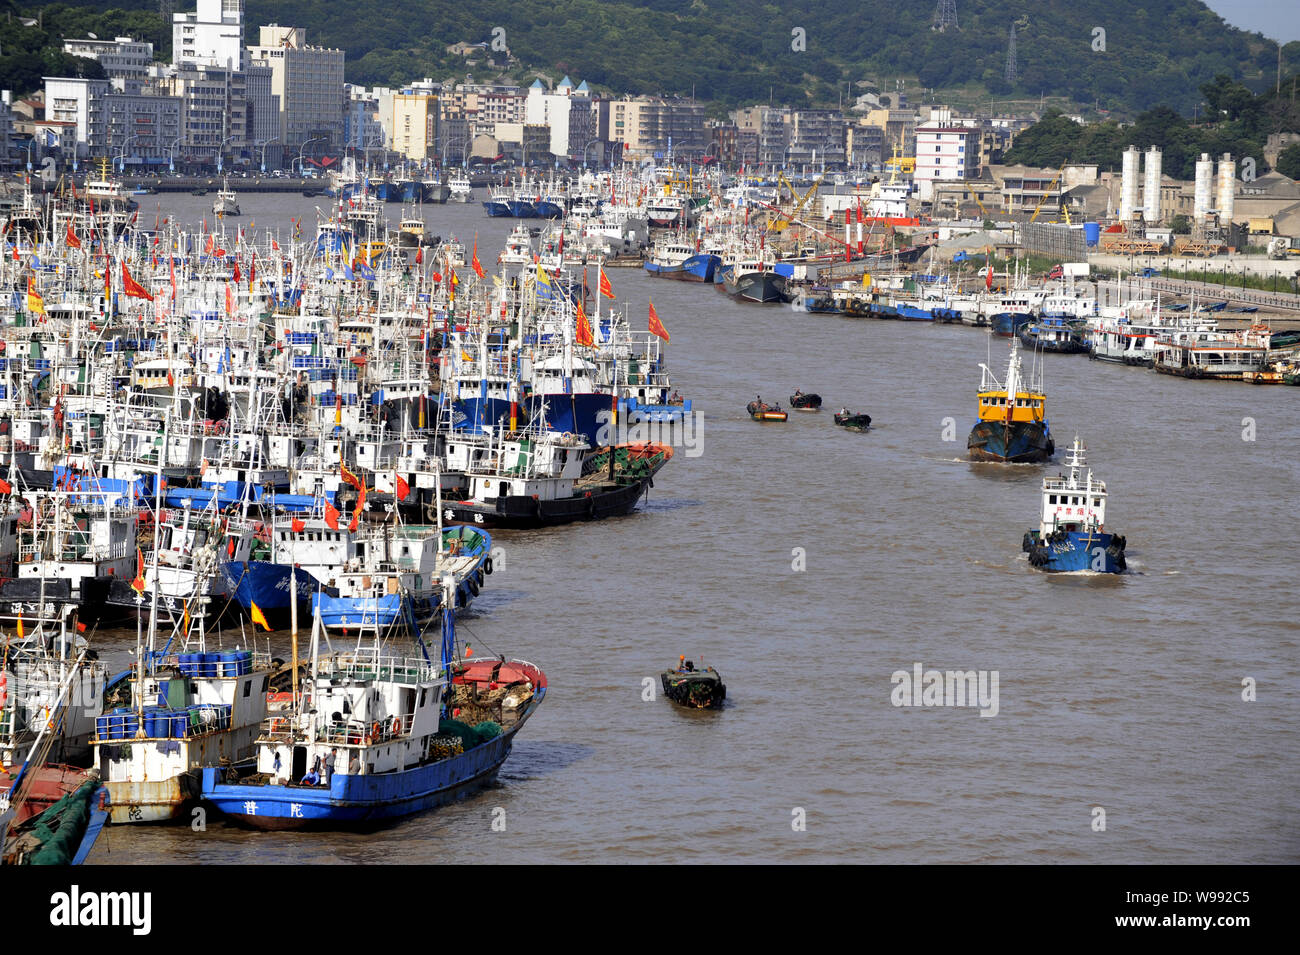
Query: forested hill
column 738, row 51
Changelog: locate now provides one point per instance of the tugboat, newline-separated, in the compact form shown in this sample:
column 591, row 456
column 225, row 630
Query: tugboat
column 853, row 422
column 1071, row 535
column 760, row 410
column 802, row 402
column 697, row 689
column 1012, row 426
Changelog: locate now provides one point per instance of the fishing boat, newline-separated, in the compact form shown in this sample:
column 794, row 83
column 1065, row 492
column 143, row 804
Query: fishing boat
column 760, row 410
column 1012, row 425
column 61, row 834
column 226, row 203
column 1052, row 335
column 853, row 422
column 1071, row 534
column 805, row 402
column 459, row 187
column 526, row 480
column 394, row 734
column 701, row 689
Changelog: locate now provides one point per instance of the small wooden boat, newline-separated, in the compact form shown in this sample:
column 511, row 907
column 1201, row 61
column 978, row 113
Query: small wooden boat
column 854, row 422
column 697, row 689
column 802, row 402
column 762, row 411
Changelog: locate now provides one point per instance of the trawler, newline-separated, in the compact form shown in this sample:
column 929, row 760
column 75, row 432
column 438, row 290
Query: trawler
column 376, row 735
column 1071, row 534
column 226, row 203
column 1012, row 425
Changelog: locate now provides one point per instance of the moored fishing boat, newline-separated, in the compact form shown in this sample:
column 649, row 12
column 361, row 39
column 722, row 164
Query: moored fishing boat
column 394, row 736
column 1071, row 534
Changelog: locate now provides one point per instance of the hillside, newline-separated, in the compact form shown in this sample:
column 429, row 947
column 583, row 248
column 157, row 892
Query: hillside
column 735, row 51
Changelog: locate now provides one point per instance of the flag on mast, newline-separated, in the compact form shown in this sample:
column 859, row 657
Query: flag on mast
column 656, row 326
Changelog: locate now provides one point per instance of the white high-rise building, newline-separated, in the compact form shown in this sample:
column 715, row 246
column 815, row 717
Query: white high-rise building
column 213, row 35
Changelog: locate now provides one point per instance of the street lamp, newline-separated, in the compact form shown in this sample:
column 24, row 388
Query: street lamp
column 171, row 154
column 121, row 154
column 303, row 149
column 273, row 139
column 589, row 144
column 219, row 148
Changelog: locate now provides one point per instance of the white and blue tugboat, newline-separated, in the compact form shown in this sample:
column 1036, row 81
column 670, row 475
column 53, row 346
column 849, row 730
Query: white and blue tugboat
column 1072, row 535
column 374, row 736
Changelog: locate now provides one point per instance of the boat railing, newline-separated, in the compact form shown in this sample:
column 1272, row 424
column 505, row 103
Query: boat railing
column 394, row 669
column 361, row 733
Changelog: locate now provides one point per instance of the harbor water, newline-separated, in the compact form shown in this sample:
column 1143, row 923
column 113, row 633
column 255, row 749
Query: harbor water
column 1150, row 717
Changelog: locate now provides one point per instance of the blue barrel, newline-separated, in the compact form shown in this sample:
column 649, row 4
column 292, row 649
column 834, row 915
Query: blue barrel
column 244, row 659
column 130, row 725
column 230, row 663
column 151, row 723
column 103, row 727
column 180, row 723
column 1091, row 234
column 189, row 663
column 211, row 665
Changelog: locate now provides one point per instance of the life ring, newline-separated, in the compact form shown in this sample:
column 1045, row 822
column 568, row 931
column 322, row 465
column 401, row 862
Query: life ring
column 397, row 726
column 376, row 730
column 567, row 436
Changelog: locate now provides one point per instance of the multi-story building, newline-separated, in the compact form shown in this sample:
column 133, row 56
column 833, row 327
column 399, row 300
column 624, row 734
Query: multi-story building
column 413, row 125
column 79, row 101
column 309, row 82
column 214, row 113
column 213, row 35
column 264, row 133
column 140, row 126
column 568, row 113
column 768, row 128
column 122, row 58
column 864, row 145
column 816, row 139
column 650, row 128
column 944, row 153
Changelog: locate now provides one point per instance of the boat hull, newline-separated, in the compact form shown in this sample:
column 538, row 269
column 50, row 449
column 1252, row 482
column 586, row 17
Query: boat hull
column 361, row 799
column 1017, row 443
column 1076, row 552
column 520, row 512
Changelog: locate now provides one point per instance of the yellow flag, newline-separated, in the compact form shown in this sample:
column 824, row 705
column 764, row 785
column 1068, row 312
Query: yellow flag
column 35, row 301
column 259, row 617
column 542, row 277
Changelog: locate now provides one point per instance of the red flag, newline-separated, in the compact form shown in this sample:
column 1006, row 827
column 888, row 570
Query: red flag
column 73, row 241
column 133, row 288
column 478, row 266
column 656, row 326
column 171, row 268
column 208, row 246
column 988, row 277
column 238, row 277
column 403, row 489
column 252, row 272
column 138, row 584
column 419, row 256
column 331, row 515
column 352, row 527
column 298, row 526
column 584, row 336
column 230, row 302
column 606, row 289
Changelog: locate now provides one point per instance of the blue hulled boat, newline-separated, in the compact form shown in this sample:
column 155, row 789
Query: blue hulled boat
column 377, row 737
column 1071, row 535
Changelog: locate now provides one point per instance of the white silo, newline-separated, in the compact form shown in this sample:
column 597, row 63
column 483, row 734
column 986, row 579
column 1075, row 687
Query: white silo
column 1151, row 194
column 1227, row 187
column 1204, row 184
column 1128, row 186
